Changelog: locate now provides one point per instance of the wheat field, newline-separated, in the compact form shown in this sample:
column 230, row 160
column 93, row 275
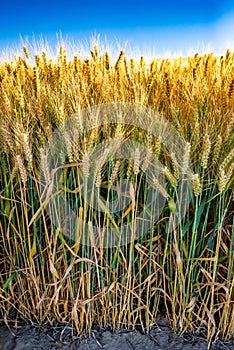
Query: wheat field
column 188, row 271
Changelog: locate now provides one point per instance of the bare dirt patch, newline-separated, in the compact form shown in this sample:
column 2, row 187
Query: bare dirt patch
column 161, row 336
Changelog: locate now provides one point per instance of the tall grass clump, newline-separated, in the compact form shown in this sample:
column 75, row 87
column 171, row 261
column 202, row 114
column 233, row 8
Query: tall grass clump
column 187, row 269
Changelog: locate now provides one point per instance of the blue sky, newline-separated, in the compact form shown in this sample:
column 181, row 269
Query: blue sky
column 161, row 26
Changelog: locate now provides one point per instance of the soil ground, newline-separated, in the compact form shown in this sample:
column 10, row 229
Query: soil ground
column 34, row 337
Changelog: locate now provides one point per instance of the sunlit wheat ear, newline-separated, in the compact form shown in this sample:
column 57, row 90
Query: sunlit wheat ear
column 151, row 81
column 136, row 164
column 119, row 76
column 98, row 178
column 86, row 165
column 129, row 170
column 8, row 140
column 228, row 55
column 93, row 138
column 27, row 150
column 167, row 84
column 22, row 169
column 158, row 147
column 142, row 62
column 132, row 65
column 126, row 70
column 222, row 180
column 6, row 100
column 147, row 160
column 205, row 151
column 37, row 60
column 196, row 133
column 216, row 150
column 227, row 159
column 88, row 73
column 26, row 52
column 44, row 166
column 115, row 171
column 69, row 146
column 229, row 128
column 186, row 157
column 94, row 53
column 230, row 171
column 62, row 57
column 119, row 132
column 21, row 100
column 170, row 177
column 122, row 169
column 231, row 89
column 119, row 60
column 36, row 81
column 196, row 184
column 153, row 65
column 149, row 141
column 14, row 171
column 159, row 188
column 175, row 166
column 225, row 176
column 107, row 61
column 44, row 59
column 76, row 64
